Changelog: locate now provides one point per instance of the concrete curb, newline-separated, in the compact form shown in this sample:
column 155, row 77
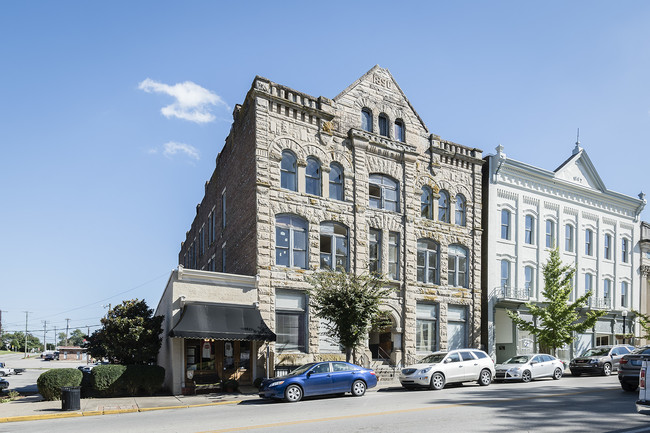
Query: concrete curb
column 108, row 412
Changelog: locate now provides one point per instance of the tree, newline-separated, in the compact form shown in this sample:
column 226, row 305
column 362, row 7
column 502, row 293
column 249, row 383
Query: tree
column 75, row 339
column 16, row 342
column 130, row 334
column 350, row 304
column 555, row 322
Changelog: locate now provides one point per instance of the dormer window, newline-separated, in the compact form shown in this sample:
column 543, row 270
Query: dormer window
column 366, row 119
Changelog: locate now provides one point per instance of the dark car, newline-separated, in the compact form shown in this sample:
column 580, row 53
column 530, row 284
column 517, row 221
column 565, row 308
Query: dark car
column 319, row 378
column 4, row 384
column 600, row 360
column 630, row 367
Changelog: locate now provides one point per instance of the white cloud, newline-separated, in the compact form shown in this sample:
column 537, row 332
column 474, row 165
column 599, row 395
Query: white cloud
column 172, row 148
column 193, row 102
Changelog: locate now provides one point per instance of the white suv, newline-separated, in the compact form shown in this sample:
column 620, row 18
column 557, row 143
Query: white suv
column 441, row 368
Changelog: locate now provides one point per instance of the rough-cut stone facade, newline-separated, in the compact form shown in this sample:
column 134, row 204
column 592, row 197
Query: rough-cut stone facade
column 274, row 118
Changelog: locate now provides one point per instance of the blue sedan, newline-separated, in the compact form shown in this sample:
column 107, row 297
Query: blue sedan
column 319, row 378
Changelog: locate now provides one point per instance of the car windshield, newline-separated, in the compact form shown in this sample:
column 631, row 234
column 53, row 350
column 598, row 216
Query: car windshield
column 596, row 351
column 434, row 358
column 302, row 368
column 518, row 360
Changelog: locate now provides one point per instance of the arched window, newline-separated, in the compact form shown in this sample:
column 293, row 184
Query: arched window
column 428, row 257
column 461, row 212
column 426, row 203
column 383, row 125
column 529, row 230
column 291, row 241
column 399, row 130
column 312, row 177
column 383, row 192
column 333, row 246
column 288, row 171
column 336, row 181
column 443, row 206
column 457, row 266
column 366, row 119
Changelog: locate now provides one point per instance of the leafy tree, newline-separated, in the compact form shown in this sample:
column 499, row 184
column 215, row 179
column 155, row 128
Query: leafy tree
column 349, row 304
column 558, row 319
column 130, row 334
column 16, row 341
column 76, row 338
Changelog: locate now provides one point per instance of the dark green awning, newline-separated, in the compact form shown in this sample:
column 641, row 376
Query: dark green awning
column 221, row 322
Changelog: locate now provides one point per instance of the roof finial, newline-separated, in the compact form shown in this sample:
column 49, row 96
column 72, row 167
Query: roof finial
column 577, row 148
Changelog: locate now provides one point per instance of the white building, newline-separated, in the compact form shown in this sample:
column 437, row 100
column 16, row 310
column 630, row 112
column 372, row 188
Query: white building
column 528, row 211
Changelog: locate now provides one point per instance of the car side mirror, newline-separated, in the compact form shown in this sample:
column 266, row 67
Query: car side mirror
column 309, row 374
column 533, row 362
column 447, row 361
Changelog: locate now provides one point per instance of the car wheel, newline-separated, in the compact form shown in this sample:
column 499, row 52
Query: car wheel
column 292, row 394
column 629, row 386
column 575, row 373
column 607, row 369
column 526, row 376
column 485, row 378
column 2, row 373
column 358, row 388
column 557, row 374
column 437, row 381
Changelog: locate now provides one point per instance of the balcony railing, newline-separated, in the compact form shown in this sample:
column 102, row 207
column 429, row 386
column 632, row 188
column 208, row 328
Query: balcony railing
column 600, row 303
column 512, row 293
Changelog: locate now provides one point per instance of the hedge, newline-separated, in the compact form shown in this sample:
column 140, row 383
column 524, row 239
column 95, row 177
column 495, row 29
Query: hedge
column 50, row 382
column 129, row 380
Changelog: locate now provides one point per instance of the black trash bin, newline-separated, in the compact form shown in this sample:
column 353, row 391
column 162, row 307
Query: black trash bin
column 71, row 398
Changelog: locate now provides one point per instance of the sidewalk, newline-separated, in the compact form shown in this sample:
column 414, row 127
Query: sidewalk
column 34, row 408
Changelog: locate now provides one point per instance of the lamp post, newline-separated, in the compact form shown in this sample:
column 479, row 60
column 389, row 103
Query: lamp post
column 624, row 313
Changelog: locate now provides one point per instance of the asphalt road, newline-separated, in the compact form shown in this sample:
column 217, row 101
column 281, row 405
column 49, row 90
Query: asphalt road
column 25, row 383
column 584, row 404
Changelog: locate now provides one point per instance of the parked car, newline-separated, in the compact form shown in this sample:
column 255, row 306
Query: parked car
column 529, row 367
column 86, row 368
column 630, row 366
column 4, row 384
column 456, row 366
column 5, row 371
column 319, row 378
column 600, row 359
column 643, row 403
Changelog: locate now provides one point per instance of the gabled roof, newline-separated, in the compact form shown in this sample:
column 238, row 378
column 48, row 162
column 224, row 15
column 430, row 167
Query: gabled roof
column 368, row 76
column 579, row 169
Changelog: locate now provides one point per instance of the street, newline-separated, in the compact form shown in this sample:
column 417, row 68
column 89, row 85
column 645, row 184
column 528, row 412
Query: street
column 584, row 404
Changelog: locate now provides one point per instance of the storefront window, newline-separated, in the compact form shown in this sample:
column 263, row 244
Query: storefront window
column 199, row 355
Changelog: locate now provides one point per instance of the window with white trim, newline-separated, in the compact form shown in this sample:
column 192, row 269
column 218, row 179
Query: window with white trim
column 505, row 224
column 457, row 266
column 461, row 210
column 607, row 246
column 291, row 241
column 288, row 171
column 589, row 242
column 625, row 250
column 333, row 246
column 550, row 233
column 426, row 327
column 426, row 203
column 529, row 230
column 374, row 260
column 624, row 293
column 383, row 192
column 290, row 320
column 443, row 207
column 393, row 255
column 313, row 177
column 569, row 241
column 428, row 261
column 336, row 182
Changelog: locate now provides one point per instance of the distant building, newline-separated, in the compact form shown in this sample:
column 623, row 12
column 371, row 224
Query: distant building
column 644, row 244
column 358, row 182
column 528, row 211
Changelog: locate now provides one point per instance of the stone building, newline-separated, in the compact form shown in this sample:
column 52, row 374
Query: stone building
column 528, row 211
column 306, row 183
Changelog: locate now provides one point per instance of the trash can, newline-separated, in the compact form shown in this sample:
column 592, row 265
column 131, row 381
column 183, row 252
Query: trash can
column 71, row 398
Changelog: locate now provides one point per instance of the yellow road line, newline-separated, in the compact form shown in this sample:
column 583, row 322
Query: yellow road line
column 397, row 411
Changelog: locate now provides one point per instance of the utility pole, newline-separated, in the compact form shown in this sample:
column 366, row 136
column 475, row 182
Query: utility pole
column 26, row 316
column 55, row 338
column 44, row 331
column 67, row 326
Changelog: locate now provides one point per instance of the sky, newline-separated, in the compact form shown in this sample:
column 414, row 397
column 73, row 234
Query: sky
column 112, row 114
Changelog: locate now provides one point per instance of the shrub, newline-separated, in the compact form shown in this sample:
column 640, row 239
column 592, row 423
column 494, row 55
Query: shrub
column 51, row 382
column 131, row 380
column 105, row 380
column 143, row 379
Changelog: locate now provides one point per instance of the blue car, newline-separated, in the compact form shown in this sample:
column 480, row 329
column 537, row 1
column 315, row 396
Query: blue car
column 319, row 378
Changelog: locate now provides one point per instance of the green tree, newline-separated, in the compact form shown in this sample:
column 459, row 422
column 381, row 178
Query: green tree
column 130, row 334
column 76, row 338
column 350, row 304
column 556, row 321
column 16, row 342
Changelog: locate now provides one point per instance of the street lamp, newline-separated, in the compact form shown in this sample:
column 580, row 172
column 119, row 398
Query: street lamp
column 624, row 313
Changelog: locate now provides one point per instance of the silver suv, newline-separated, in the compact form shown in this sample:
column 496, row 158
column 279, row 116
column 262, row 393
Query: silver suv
column 455, row 366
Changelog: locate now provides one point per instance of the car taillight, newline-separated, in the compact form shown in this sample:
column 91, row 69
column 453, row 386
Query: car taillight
column 642, row 379
column 623, row 361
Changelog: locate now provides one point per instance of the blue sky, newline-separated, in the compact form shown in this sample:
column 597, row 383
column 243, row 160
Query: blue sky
column 112, row 114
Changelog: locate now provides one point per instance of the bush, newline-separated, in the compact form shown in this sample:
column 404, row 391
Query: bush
column 130, row 380
column 143, row 379
column 51, row 382
column 105, row 380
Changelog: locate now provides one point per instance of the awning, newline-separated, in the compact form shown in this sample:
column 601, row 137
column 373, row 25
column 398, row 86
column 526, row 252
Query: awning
column 221, row 322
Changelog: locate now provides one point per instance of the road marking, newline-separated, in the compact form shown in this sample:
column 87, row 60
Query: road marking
column 393, row 412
